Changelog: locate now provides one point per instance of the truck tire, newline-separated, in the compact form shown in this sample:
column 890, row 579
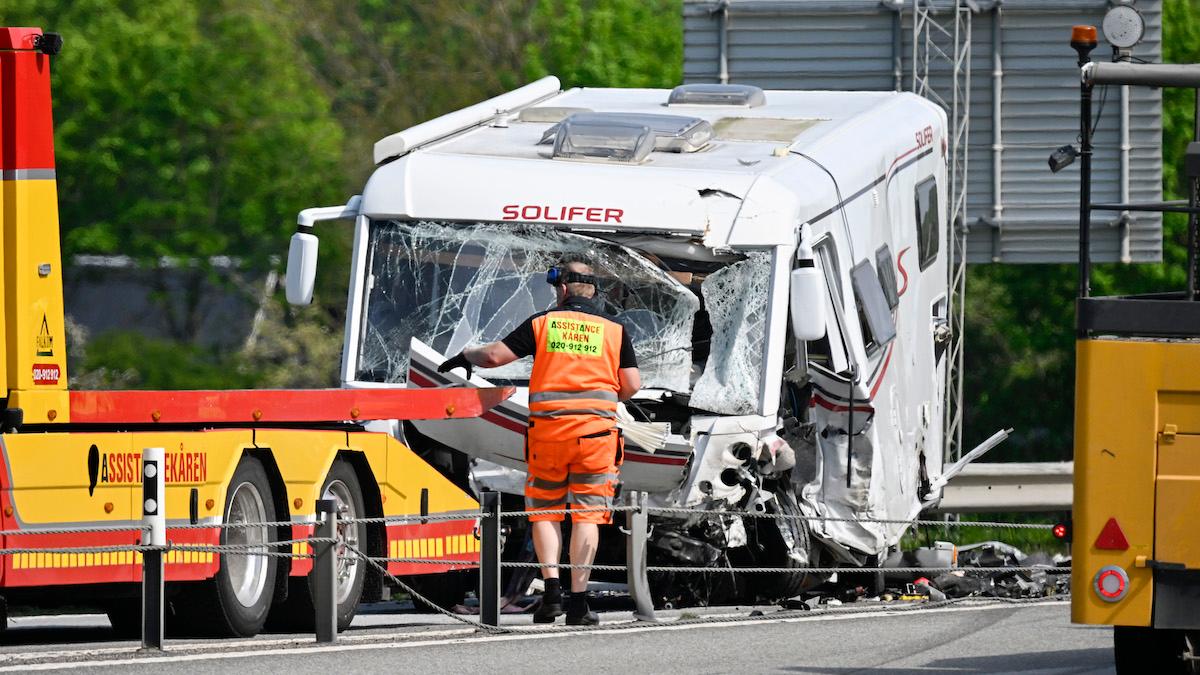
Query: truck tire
column 298, row 613
column 1137, row 649
column 236, row 601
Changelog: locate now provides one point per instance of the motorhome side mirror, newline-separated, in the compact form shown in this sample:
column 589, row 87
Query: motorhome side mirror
column 301, row 268
column 808, row 301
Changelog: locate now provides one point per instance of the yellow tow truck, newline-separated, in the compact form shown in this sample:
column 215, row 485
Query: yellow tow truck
column 69, row 460
column 1136, row 528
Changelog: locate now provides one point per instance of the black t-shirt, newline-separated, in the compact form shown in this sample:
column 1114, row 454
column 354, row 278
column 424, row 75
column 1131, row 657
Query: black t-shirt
column 522, row 342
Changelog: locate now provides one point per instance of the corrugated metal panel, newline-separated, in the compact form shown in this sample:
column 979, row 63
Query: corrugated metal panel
column 793, row 44
column 846, row 50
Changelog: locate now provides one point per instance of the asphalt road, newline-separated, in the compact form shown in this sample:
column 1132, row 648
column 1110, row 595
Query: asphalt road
column 957, row 639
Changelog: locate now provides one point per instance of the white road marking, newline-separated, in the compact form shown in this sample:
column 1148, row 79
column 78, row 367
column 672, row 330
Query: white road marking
column 448, row 641
column 218, row 645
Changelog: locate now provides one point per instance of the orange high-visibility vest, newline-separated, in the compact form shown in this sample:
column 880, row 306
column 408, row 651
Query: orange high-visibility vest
column 575, row 369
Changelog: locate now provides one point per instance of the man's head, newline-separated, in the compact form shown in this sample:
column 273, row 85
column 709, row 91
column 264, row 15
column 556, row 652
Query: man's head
column 575, row 288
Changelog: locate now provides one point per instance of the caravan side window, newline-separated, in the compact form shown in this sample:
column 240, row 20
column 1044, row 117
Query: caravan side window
column 928, row 232
column 874, row 315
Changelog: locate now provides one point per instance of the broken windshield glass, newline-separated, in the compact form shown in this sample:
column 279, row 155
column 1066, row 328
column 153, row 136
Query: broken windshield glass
column 454, row 284
column 736, row 299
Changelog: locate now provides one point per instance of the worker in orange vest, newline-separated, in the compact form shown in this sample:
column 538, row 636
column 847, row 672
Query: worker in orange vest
column 583, row 364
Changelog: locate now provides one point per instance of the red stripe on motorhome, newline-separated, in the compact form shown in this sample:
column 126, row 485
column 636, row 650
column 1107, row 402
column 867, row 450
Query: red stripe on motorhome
column 491, row 416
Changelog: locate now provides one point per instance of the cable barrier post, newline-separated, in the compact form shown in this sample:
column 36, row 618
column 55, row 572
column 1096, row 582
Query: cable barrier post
column 325, row 572
column 154, row 524
column 489, row 558
column 637, row 533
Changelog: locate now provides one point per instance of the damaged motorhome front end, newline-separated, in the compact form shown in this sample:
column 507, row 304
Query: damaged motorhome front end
column 777, row 258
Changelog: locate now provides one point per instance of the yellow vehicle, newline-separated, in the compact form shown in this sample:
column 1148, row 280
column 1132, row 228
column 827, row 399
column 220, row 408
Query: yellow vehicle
column 69, row 459
column 1136, row 542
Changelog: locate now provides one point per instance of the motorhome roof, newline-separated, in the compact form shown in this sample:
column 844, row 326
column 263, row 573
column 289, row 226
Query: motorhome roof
column 480, row 165
column 742, row 135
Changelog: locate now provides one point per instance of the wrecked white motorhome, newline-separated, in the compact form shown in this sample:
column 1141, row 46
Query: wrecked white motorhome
column 777, row 257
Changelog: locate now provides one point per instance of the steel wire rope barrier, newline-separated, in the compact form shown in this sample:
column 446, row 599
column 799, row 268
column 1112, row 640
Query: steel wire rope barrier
column 636, row 568
column 326, row 556
column 838, row 519
column 376, row 562
column 325, row 561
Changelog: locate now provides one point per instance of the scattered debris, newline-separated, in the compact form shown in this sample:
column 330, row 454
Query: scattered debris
column 982, row 570
column 978, row 573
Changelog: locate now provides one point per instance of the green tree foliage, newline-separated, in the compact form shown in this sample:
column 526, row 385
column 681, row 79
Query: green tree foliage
column 614, row 43
column 386, row 65
column 183, row 129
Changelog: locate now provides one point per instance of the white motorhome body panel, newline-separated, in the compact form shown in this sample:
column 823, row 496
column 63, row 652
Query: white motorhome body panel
column 589, row 196
column 845, row 183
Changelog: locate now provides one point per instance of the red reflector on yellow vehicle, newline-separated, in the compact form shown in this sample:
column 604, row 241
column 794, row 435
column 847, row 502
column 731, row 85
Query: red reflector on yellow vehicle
column 1112, row 538
column 1110, row 583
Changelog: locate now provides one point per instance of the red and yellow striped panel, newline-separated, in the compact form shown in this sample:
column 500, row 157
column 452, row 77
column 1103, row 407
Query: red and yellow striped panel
column 34, row 372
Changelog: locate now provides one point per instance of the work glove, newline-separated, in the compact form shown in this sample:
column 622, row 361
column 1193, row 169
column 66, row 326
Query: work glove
column 459, row 361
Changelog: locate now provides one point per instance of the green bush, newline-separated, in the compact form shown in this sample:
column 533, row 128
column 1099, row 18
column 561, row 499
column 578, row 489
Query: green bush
column 130, row 360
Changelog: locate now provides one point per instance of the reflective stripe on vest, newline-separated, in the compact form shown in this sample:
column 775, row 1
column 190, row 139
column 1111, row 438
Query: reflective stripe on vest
column 574, row 411
column 540, row 396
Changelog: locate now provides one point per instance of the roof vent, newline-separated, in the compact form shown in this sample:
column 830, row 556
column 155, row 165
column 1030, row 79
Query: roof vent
column 672, row 133
column 592, row 136
column 744, row 95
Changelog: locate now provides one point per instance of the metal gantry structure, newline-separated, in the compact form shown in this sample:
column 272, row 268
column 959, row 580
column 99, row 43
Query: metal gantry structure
column 942, row 73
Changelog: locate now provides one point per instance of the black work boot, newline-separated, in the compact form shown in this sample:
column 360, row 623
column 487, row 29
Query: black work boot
column 578, row 613
column 552, row 606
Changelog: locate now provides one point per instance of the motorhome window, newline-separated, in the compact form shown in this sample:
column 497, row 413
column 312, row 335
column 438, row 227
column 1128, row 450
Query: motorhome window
column 887, row 275
column 928, row 232
column 454, row 284
column 873, row 312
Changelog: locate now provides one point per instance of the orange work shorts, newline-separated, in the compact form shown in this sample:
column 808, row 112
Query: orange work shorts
column 580, row 472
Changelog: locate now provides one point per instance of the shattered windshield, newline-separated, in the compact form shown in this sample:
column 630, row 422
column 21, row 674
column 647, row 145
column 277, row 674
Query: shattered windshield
column 454, row 284
column 735, row 297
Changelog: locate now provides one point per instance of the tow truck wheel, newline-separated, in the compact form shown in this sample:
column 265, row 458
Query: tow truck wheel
column 1138, row 649
column 244, row 584
column 342, row 487
column 298, row 613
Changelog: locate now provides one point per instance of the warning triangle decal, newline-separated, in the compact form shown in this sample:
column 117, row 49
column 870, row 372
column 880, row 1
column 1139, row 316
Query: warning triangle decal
column 45, row 341
column 1111, row 537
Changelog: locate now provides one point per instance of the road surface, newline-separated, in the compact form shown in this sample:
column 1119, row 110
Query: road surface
column 961, row 638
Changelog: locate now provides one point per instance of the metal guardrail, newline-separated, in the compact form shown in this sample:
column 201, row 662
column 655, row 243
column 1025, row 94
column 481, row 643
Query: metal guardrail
column 1010, row 486
column 328, row 550
column 637, row 511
